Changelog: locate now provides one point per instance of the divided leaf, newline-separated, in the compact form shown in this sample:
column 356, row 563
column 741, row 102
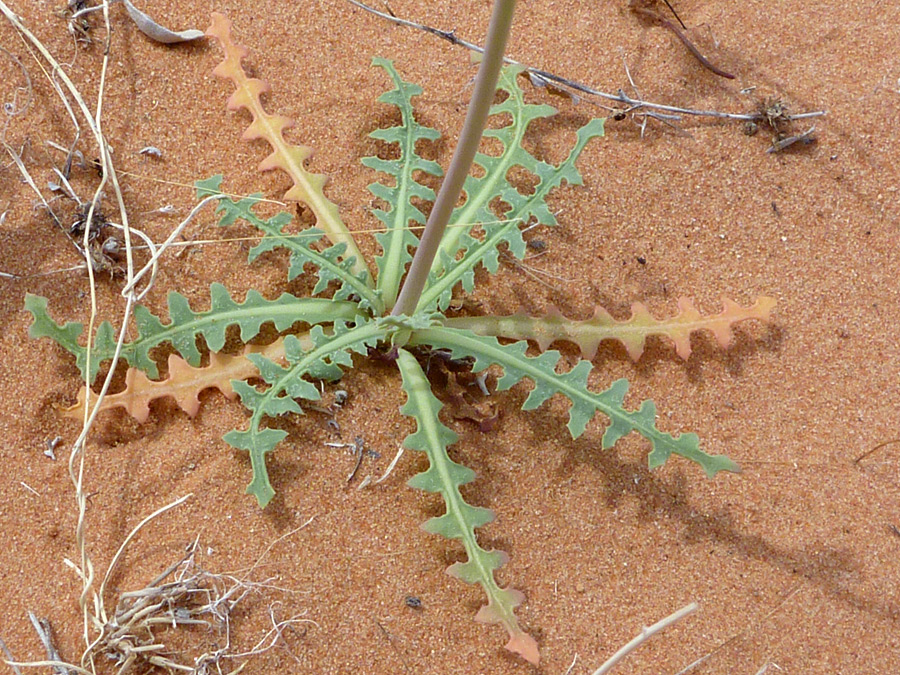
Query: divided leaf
column 307, row 187
column 185, row 382
column 186, row 325
column 541, row 370
column 494, row 184
column 401, row 211
column 328, row 263
column 321, row 358
column 439, row 291
column 632, row 332
column 66, row 336
column 445, row 476
column 447, row 269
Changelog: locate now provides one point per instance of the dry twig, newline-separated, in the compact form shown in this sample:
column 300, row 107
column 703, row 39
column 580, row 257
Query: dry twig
column 645, row 634
column 655, row 16
column 543, row 78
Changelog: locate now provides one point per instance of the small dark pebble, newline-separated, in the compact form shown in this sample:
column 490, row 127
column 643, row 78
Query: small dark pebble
column 413, row 601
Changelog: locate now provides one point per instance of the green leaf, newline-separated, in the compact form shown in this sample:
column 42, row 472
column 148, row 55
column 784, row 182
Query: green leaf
column 186, row 325
column 257, row 442
column 493, row 184
column 541, row 370
column 324, row 360
column 329, row 263
column 401, row 212
column 66, row 336
column 444, row 476
column 449, row 267
column 439, row 291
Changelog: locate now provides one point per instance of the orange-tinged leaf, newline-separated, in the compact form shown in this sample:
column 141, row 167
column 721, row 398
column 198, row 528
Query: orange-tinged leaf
column 184, row 382
column 632, row 332
column 520, row 642
column 307, row 187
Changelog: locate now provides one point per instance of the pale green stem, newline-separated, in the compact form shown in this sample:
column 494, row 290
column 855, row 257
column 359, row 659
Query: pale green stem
column 451, row 187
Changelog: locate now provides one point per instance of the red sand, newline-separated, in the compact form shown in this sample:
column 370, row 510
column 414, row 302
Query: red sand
column 794, row 562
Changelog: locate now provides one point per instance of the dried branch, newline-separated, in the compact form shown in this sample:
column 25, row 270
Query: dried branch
column 542, row 78
column 645, row 634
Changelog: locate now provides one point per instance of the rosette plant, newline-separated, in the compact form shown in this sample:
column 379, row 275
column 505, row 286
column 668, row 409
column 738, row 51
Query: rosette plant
column 400, row 312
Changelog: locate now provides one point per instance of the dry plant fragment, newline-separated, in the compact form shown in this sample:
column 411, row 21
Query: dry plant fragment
column 183, row 595
column 774, row 112
column 782, row 142
column 645, row 9
column 646, row 633
column 157, row 32
column 484, row 414
column 576, row 89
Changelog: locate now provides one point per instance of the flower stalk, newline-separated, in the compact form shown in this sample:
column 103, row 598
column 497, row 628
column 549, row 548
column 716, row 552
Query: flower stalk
column 451, row 187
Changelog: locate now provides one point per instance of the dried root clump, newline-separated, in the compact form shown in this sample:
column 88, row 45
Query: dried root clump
column 774, row 113
column 147, row 626
column 105, row 248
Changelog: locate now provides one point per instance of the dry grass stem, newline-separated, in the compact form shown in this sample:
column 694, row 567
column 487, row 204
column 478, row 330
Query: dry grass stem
column 644, row 635
column 127, row 636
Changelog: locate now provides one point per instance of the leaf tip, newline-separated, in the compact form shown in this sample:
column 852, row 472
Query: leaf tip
column 262, row 492
column 520, row 642
column 524, row 645
column 219, row 26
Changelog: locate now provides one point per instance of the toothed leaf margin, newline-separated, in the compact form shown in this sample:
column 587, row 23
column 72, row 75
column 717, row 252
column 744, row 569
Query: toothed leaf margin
column 541, row 370
column 445, row 476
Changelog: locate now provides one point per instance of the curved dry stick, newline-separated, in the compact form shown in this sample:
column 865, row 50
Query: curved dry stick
column 649, row 13
column 645, row 633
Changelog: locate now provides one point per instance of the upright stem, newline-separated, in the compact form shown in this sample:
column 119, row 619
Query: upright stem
column 476, row 117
